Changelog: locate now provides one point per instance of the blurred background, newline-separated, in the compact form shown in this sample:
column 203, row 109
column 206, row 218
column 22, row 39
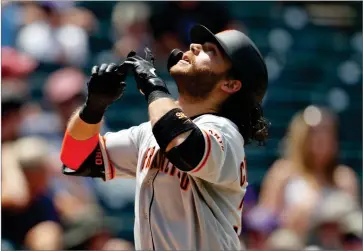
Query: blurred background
column 304, row 187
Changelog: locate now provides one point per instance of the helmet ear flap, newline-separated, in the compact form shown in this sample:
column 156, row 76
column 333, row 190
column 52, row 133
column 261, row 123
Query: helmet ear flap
column 174, row 57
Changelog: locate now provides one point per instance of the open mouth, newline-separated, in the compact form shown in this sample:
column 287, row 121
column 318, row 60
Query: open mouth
column 185, row 60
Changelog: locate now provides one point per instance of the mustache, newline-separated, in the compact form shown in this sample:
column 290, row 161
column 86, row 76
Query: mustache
column 191, row 57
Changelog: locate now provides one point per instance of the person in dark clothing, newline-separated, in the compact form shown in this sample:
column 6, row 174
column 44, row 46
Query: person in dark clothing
column 29, row 218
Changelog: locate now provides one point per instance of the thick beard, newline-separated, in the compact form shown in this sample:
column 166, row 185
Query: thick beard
column 194, row 82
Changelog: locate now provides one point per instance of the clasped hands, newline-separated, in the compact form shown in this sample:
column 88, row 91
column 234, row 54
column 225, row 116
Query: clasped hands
column 107, row 82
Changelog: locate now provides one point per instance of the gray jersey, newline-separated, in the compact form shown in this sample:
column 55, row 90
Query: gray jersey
column 200, row 209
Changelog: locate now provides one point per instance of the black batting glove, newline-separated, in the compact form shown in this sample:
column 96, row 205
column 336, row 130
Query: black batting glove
column 148, row 83
column 105, row 86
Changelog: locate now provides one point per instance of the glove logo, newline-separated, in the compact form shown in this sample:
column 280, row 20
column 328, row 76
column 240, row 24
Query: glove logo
column 181, row 115
column 152, row 70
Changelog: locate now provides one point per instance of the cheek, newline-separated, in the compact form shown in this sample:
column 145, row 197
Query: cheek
column 202, row 61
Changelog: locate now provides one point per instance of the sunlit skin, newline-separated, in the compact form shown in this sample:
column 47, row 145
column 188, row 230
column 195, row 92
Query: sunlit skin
column 202, row 74
column 206, row 56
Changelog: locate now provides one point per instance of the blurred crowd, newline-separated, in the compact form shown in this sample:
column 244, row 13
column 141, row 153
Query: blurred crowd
column 307, row 201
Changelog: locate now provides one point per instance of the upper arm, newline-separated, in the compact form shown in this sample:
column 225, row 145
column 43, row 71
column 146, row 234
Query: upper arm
column 222, row 156
column 272, row 190
column 346, row 179
column 214, row 154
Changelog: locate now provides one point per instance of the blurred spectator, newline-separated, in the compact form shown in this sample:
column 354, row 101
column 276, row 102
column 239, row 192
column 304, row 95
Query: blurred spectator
column 351, row 230
column 15, row 64
column 258, row 224
column 64, row 91
column 284, row 240
column 29, row 217
column 309, row 171
column 329, row 211
column 312, row 248
column 48, row 27
column 12, row 101
column 9, row 24
column 171, row 23
column 117, row 244
column 15, row 67
column 130, row 22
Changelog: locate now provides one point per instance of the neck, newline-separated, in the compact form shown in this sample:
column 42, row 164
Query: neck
column 195, row 107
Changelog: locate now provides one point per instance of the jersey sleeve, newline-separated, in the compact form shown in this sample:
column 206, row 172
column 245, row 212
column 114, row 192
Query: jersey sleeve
column 222, row 154
column 120, row 152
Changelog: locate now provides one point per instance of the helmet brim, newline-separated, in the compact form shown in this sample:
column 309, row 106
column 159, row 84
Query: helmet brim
column 200, row 34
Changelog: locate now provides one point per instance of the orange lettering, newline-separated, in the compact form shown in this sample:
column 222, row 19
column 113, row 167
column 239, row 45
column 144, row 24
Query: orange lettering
column 243, row 179
column 184, row 182
column 145, row 157
column 99, row 160
column 150, row 157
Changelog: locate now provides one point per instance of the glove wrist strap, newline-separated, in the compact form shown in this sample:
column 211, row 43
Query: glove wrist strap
column 157, row 90
column 92, row 114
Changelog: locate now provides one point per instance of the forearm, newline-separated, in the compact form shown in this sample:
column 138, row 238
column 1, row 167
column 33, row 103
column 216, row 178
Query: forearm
column 159, row 107
column 81, row 138
column 14, row 194
column 80, row 130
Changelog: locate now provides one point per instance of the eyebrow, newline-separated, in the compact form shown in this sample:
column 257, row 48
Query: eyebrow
column 209, row 44
column 218, row 50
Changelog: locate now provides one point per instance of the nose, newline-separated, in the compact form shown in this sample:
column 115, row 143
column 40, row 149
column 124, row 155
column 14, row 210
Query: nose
column 196, row 48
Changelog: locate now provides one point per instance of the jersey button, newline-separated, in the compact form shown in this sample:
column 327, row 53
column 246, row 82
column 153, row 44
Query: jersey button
column 146, row 216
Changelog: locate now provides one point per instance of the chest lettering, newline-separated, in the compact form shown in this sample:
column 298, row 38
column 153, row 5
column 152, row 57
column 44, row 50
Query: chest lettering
column 160, row 162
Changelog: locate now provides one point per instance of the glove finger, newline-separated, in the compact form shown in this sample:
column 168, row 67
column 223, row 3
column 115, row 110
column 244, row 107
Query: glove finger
column 135, row 58
column 94, row 70
column 102, row 69
column 149, row 55
column 129, row 63
column 122, row 69
column 111, row 67
column 131, row 54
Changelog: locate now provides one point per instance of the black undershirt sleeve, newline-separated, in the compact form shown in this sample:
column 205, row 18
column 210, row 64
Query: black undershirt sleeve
column 93, row 166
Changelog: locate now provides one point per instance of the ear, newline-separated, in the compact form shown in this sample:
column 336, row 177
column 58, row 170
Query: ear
column 231, row 86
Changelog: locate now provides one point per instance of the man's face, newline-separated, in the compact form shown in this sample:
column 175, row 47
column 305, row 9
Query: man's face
column 200, row 70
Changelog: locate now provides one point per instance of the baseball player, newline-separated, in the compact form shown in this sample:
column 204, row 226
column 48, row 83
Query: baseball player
column 188, row 159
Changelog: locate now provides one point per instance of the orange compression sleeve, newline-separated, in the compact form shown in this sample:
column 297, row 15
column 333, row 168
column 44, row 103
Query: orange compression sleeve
column 75, row 152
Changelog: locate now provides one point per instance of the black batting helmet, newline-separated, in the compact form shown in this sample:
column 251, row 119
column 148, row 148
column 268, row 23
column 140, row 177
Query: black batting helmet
column 248, row 65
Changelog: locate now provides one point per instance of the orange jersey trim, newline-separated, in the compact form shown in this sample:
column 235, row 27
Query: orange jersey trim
column 206, row 155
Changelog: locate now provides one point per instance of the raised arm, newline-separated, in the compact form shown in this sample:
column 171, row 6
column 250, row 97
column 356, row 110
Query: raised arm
column 82, row 143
